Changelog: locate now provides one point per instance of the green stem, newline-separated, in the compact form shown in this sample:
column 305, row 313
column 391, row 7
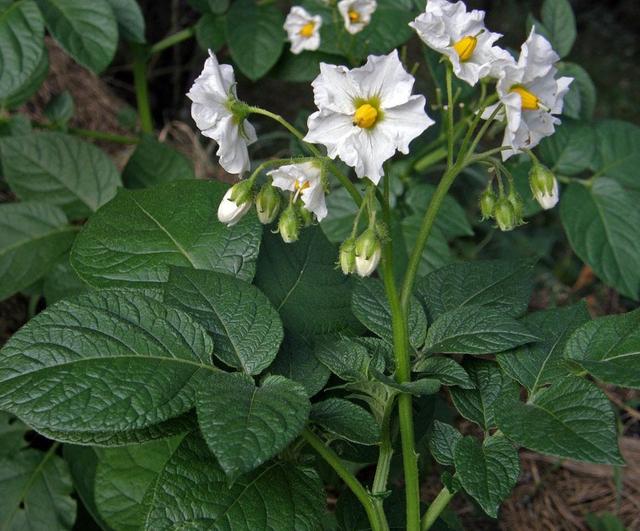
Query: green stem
column 430, row 159
column 140, row 58
column 351, row 481
column 88, row 133
column 344, row 180
column 435, row 509
column 449, row 115
column 172, row 40
column 386, row 451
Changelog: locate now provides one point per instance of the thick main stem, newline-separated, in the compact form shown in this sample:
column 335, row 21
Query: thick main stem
column 350, row 480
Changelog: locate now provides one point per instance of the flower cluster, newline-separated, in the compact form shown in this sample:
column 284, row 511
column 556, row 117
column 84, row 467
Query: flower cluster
column 366, row 114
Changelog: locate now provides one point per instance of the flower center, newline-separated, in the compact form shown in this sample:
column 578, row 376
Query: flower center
column 530, row 101
column 354, row 16
column 465, row 47
column 301, row 184
column 365, row 116
column 307, row 30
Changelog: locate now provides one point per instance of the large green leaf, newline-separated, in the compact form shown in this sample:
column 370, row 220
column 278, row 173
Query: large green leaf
column 609, row 348
column 346, row 420
column 107, row 367
column 12, row 435
column 571, row 419
column 436, row 254
column 62, row 282
column 155, row 163
column 32, row 237
column 192, row 492
column 477, row 404
column 444, row 369
column 603, row 226
column 21, row 44
column 476, row 329
column 560, row 23
column 210, row 32
column 442, row 442
column 347, row 359
column 133, row 240
column 304, row 275
column 30, row 86
column 487, row 471
column 245, row 425
column 35, row 492
column 86, row 30
column 59, row 169
column 580, row 101
column 501, row 284
column 130, row 19
column 370, row 305
column 569, row 150
column 245, row 327
column 542, row 363
column 255, row 36
column 618, row 152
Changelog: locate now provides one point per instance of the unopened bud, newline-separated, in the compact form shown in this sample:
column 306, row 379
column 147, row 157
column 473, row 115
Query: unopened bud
column 487, row 203
column 368, row 251
column 235, row 203
column 504, row 215
column 348, row 256
column 267, row 203
column 518, row 206
column 305, row 216
column 544, row 186
column 289, row 226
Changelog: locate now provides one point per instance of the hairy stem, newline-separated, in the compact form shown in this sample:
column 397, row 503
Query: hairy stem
column 435, row 509
column 450, row 102
column 140, row 58
column 351, row 481
column 172, row 40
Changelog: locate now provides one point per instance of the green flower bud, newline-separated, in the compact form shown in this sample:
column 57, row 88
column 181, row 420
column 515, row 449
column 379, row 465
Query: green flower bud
column 289, row 225
column 368, row 252
column 235, row 203
column 348, row 256
column 518, row 206
column 305, row 215
column 504, row 214
column 487, row 203
column 267, row 203
column 544, row 185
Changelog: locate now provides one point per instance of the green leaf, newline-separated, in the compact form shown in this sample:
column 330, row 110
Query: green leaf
column 133, row 241
column 442, row 442
column 61, row 170
column 107, row 367
column 389, row 28
column 346, row 420
column 30, row 86
column 558, row 19
column 155, row 163
column 500, row 284
column 303, row 67
column 255, row 36
column 12, row 432
column 580, row 101
column 304, row 275
column 444, row 369
column 477, row 405
column 569, row 150
column 60, row 109
column 609, row 348
column 62, row 282
column 82, row 462
column 436, row 254
column 130, row 20
column 572, row 419
column 476, row 330
column 603, row 227
column 245, row 327
column 618, row 152
column 370, row 305
column 487, row 471
column 210, row 32
column 541, row 363
column 35, row 492
column 16, row 125
column 192, row 491
column 261, row 422
column 87, row 31
column 419, row 387
column 296, row 361
column 347, row 359
column 21, row 44
column 32, row 236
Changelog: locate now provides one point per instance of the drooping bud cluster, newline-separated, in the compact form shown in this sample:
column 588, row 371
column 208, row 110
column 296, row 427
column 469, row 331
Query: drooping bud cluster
column 268, row 203
column 505, row 209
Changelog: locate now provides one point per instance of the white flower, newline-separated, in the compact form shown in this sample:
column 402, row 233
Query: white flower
column 304, row 180
column 230, row 212
column 462, row 36
column 356, row 13
column 367, row 113
column 303, row 29
column 212, row 94
column 531, row 96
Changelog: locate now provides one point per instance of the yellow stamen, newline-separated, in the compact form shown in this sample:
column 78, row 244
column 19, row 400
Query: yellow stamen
column 465, row 47
column 299, row 186
column 365, row 116
column 307, row 30
column 354, row 16
column 530, row 101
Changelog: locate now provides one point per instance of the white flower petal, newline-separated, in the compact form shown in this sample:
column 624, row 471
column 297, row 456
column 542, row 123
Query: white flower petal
column 330, row 129
column 405, row 122
column 333, row 88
